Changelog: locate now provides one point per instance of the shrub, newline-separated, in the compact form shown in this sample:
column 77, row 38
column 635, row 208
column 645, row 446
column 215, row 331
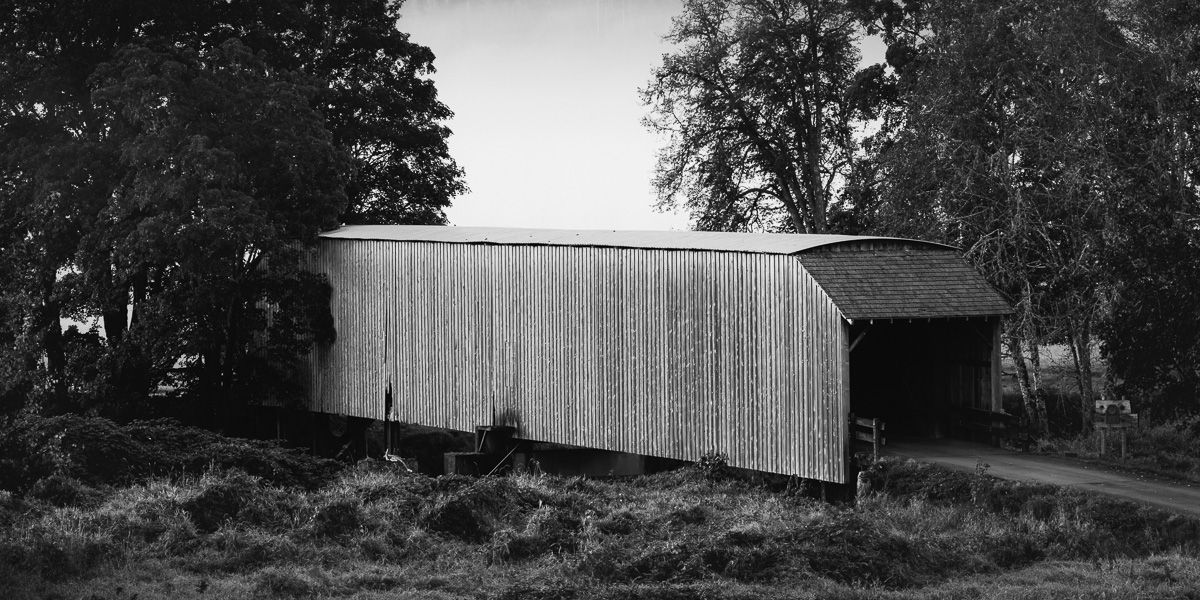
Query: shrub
column 1013, row 498
column 61, row 490
column 670, row 561
column 221, row 498
column 179, row 449
column 743, row 563
column 92, row 450
column 619, row 522
column 1179, row 437
column 65, row 542
column 476, row 510
column 339, row 518
column 548, row 530
column 1013, row 549
column 714, row 465
column 274, row 509
column 849, row 548
column 97, row 451
column 237, row 549
column 691, row 515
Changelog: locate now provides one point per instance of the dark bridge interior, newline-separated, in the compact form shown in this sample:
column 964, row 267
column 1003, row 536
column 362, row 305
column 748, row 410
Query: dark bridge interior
column 925, row 378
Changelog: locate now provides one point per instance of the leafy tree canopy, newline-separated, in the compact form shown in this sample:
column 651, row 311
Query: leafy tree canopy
column 1056, row 144
column 759, row 105
column 163, row 165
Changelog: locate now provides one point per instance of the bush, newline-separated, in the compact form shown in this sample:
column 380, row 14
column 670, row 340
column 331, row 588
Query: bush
column 619, row 522
column 1096, row 525
column 548, row 530
column 745, row 553
column 92, row 450
column 240, row 550
column 60, row 490
column 97, row 451
column 339, row 518
column 911, row 479
column 849, row 549
column 221, row 498
column 1174, row 446
column 475, row 511
column 62, row 543
column 1013, row 549
column 179, row 449
column 714, row 465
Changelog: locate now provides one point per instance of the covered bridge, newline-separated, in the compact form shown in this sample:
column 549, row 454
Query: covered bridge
column 667, row 344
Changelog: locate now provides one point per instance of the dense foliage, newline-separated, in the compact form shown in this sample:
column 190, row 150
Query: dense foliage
column 1055, row 143
column 759, row 104
column 162, row 169
column 1057, row 146
column 94, row 451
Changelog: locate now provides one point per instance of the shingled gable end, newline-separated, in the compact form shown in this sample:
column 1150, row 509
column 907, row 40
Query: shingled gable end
column 667, row 344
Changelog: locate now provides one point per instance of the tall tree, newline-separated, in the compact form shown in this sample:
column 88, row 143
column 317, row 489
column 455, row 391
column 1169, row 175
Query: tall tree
column 758, row 105
column 1000, row 147
column 1036, row 136
column 162, row 166
column 1151, row 331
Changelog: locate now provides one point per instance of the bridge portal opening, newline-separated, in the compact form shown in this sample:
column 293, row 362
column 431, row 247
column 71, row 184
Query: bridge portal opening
column 929, row 378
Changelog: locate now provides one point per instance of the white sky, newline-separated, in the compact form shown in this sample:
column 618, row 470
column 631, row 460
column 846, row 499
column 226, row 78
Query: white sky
column 547, row 118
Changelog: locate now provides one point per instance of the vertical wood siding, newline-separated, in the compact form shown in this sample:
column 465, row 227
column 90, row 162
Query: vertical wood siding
column 657, row 352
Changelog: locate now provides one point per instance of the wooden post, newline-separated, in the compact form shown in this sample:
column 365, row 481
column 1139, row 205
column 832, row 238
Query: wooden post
column 875, row 434
column 1123, row 430
column 1103, row 441
column 852, row 438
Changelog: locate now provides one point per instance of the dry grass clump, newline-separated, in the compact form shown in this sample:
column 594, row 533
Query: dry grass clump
column 375, row 532
column 1040, row 521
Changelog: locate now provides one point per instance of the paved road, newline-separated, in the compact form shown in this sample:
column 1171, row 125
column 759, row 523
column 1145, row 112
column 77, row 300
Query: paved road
column 1180, row 497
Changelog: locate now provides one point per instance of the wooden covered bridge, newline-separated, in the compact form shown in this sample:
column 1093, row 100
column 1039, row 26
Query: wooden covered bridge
column 667, row 344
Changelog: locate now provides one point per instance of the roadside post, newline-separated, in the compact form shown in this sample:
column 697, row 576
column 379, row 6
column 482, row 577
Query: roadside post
column 1115, row 416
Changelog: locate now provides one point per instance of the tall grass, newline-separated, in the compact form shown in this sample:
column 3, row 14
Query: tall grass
column 372, row 531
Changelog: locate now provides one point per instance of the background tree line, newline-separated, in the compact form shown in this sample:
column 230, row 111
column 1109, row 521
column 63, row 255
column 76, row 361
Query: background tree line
column 1055, row 143
column 164, row 165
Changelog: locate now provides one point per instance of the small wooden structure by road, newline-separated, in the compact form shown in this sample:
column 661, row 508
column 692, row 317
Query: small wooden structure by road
column 668, row 344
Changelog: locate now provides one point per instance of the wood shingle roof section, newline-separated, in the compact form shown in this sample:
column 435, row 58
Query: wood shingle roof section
column 866, row 277
column 903, row 282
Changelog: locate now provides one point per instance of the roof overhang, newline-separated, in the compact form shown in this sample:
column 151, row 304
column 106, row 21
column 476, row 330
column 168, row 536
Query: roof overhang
column 717, row 241
column 904, row 283
column 867, row 277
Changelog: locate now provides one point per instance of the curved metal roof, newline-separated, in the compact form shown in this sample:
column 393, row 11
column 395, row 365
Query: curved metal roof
column 760, row 243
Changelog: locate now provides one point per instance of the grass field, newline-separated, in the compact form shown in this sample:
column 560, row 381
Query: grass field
column 372, row 532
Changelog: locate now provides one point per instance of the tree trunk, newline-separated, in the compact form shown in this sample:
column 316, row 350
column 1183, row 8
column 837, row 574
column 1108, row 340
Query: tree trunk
column 48, row 326
column 1082, row 355
column 1031, row 397
column 114, row 324
column 1035, row 378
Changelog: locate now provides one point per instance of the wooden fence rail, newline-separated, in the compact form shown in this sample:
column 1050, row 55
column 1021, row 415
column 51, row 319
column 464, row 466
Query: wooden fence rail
column 875, row 437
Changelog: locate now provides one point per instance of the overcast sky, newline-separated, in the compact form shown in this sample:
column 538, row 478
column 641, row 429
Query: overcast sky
column 547, row 120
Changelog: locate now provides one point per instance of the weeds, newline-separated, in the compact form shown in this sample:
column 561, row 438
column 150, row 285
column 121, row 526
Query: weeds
column 96, row 452
column 371, row 530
